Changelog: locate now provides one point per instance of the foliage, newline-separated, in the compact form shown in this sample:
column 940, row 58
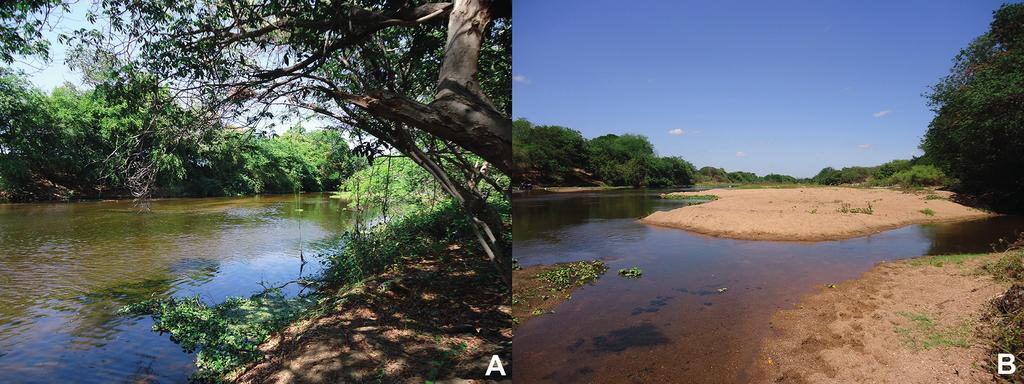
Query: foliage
column 226, row 335
column 76, row 142
column 420, row 233
column 927, row 212
column 632, row 273
column 904, row 173
column 977, row 134
column 556, row 155
column 917, row 176
column 550, row 153
column 568, row 275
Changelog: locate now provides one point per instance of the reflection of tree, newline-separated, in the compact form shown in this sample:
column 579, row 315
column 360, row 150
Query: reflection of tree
column 89, row 259
column 96, row 320
column 536, row 217
column 971, row 236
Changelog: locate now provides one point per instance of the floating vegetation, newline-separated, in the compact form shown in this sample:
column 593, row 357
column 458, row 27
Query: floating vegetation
column 573, row 274
column 632, row 273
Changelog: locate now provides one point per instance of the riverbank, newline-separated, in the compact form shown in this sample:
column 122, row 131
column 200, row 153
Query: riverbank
column 538, row 289
column 428, row 320
column 810, row 214
column 919, row 320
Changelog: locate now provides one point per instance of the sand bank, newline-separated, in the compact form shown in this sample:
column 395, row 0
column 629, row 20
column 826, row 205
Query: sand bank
column 910, row 321
column 810, row 214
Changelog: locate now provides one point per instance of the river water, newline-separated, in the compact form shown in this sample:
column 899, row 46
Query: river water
column 672, row 325
column 65, row 269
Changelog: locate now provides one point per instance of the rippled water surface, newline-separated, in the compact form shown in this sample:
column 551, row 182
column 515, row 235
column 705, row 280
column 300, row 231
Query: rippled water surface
column 65, row 269
column 672, row 324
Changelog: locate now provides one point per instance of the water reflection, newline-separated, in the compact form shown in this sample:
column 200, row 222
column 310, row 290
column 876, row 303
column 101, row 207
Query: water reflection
column 66, row 268
column 673, row 323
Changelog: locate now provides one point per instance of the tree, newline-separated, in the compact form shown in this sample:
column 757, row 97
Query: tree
column 430, row 80
column 977, row 134
column 546, row 153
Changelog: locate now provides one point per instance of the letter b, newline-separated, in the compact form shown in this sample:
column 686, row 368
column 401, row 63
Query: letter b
column 1005, row 364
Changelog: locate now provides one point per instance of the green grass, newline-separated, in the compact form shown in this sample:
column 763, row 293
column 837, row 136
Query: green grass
column 573, row 274
column 846, row 208
column 927, row 212
column 940, row 260
column 924, row 332
column 632, row 273
column 690, row 199
column 934, row 197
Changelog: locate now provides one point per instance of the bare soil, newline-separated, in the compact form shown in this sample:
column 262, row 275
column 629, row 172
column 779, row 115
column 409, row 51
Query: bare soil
column 430, row 320
column 810, row 214
column 910, row 321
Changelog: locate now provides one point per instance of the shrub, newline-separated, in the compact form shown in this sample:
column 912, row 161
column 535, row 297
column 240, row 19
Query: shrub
column 918, row 176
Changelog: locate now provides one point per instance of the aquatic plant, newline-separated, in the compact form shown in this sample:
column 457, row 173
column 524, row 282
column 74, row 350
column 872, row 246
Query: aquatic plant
column 632, row 273
column 573, row 274
column 227, row 335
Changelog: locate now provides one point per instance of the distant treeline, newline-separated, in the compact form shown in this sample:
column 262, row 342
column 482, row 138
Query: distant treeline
column 558, row 156
column 110, row 139
column 916, row 172
column 553, row 155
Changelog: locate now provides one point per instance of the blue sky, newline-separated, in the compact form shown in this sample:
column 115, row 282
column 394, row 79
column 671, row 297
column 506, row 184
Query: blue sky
column 781, row 86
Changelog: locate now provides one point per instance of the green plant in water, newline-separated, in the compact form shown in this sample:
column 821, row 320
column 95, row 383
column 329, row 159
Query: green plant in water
column 927, row 212
column 632, row 273
column 573, row 274
column 226, row 335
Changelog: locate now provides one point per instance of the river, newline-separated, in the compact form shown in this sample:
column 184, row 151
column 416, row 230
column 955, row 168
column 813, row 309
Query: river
column 66, row 268
column 673, row 324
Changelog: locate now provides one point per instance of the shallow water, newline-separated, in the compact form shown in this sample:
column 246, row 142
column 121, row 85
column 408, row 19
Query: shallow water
column 672, row 325
column 65, row 269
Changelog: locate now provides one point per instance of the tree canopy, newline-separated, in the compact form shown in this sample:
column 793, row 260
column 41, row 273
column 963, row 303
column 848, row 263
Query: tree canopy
column 977, row 134
column 429, row 80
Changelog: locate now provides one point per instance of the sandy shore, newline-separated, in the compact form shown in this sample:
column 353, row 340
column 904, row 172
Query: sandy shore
column 910, row 321
column 810, row 214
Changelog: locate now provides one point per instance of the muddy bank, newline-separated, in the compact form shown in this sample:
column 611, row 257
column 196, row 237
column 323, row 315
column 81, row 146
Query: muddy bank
column 427, row 321
column 911, row 321
column 810, row 214
column 537, row 289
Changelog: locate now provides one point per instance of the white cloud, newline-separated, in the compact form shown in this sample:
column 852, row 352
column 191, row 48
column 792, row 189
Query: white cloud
column 863, row 146
column 741, row 154
column 881, row 113
column 677, row 132
column 519, row 78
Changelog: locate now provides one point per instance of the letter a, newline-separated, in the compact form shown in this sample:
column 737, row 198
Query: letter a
column 495, row 366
